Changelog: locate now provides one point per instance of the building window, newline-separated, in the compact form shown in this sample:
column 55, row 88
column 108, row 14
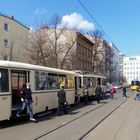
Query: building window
column 6, row 43
column 134, row 73
column 6, row 26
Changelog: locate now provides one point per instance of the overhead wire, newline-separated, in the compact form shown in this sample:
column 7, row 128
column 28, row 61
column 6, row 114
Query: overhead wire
column 95, row 21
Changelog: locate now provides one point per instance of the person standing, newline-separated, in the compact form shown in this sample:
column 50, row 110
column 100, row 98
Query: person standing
column 85, row 94
column 124, row 91
column 61, row 100
column 137, row 96
column 98, row 93
column 111, row 91
column 26, row 98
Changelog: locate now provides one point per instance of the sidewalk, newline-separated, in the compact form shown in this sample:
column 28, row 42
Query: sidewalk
column 123, row 124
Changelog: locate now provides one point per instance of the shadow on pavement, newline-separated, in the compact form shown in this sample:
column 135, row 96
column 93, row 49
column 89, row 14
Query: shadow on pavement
column 72, row 110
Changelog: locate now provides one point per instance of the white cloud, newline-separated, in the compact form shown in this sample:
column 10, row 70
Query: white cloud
column 77, row 21
column 40, row 11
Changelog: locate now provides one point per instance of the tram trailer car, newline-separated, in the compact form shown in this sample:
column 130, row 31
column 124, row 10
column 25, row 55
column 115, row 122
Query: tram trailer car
column 89, row 80
column 45, row 83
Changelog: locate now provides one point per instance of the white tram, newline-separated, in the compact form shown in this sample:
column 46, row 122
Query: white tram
column 89, row 80
column 45, row 82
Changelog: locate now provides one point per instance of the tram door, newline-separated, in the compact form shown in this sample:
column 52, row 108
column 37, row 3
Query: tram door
column 99, row 81
column 18, row 78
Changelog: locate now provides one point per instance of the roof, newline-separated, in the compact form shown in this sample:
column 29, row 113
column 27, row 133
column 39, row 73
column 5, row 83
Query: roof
column 19, row 65
column 12, row 18
column 92, row 76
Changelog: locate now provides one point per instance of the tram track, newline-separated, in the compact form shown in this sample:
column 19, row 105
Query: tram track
column 71, row 121
column 65, row 123
column 83, row 136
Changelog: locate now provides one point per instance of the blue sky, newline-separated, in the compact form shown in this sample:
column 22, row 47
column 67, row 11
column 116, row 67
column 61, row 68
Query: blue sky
column 120, row 19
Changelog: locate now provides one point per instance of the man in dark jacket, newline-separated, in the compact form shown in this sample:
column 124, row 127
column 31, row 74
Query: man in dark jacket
column 26, row 98
column 124, row 91
column 85, row 94
column 98, row 93
column 61, row 100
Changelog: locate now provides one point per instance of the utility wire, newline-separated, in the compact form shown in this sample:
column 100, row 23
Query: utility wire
column 85, row 8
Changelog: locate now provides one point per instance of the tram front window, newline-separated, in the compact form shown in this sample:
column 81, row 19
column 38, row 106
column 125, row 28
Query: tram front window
column 4, row 81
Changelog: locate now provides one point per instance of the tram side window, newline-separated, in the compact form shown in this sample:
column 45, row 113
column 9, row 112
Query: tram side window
column 41, row 80
column 4, row 81
column 62, row 81
column 70, row 82
column 93, row 82
column 66, row 81
column 46, row 81
column 86, row 81
column 52, row 81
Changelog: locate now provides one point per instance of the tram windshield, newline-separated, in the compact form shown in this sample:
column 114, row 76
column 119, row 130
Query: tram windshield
column 135, row 83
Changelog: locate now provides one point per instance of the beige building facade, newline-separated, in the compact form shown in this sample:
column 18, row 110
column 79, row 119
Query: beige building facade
column 73, row 49
column 84, row 50
column 13, row 39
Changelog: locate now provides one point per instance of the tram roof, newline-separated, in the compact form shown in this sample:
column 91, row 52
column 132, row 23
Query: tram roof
column 92, row 76
column 21, row 65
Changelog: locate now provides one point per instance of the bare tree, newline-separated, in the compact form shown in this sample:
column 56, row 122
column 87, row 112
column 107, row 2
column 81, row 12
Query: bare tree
column 51, row 44
column 11, row 52
column 38, row 48
column 102, row 54
column 123, row 79
column 98, row 52
column 97, row 33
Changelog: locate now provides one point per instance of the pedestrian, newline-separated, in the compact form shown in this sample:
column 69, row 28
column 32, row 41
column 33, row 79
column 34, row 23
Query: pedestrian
column 111, row 91
column 124, row 91
column 137, row 96
column 85, row 94
column 26, row 98
column 98, row 93
column 61, row 101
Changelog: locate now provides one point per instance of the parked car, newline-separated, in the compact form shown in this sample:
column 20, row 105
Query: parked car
column 116, row 87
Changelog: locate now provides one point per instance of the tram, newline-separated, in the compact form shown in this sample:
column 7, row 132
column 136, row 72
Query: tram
column 135, row 84
column 89, row 80
column 45, row 83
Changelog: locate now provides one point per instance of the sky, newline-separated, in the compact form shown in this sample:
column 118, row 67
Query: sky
column 120, row 19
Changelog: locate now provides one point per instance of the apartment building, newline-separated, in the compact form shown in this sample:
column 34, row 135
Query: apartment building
column 13, row 39
column 84, row 53
column 115, row 64
column 121, row 67
column 102, row 57
column 131, row 68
